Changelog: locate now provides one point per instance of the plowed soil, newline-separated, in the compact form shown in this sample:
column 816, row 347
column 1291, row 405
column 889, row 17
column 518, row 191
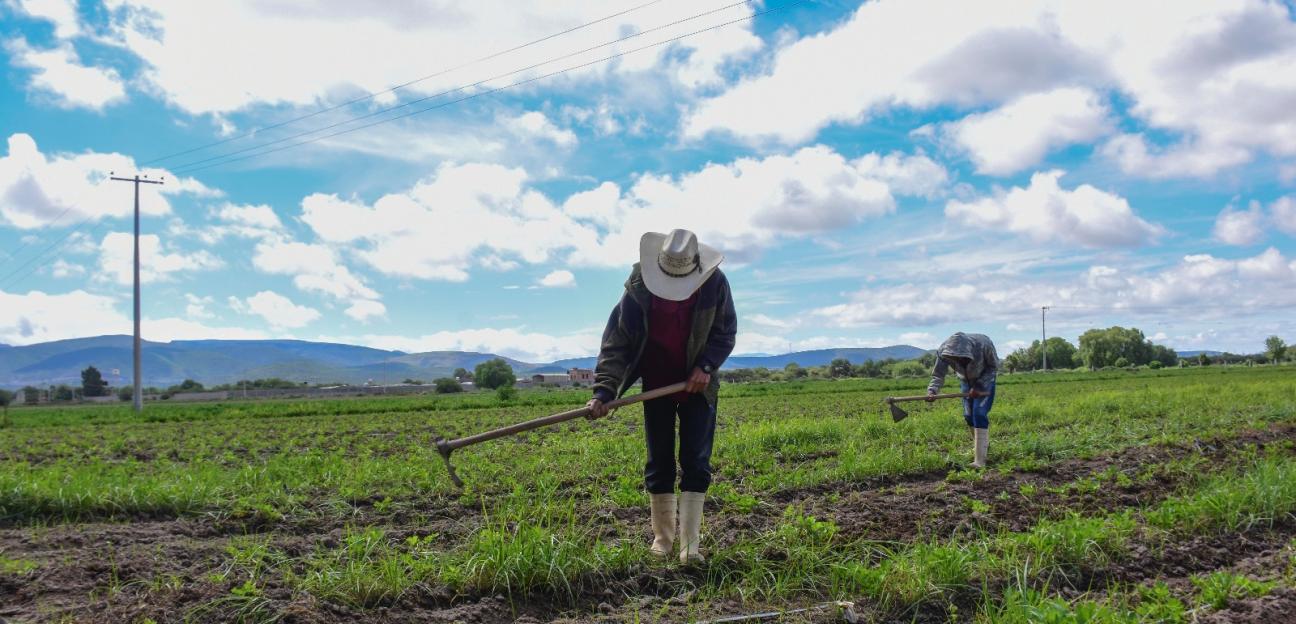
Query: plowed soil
column 163, row 569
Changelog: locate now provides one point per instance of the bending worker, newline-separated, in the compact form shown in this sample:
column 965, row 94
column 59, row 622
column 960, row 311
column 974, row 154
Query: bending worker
column 675, row 322
column 973, row 358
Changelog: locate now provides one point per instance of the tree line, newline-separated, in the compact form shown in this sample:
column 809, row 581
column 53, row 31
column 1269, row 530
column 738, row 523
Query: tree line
column 1116, row 346
column 1120, row 347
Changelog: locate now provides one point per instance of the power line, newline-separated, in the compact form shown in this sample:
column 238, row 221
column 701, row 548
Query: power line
column 61, row 242
column 14, row 253
column 93, row 233
column 187, row 166
column 393, row 89
column 188, row 170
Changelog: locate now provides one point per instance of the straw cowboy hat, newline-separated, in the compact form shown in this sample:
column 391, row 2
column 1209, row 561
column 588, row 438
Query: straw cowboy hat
column 675, row 265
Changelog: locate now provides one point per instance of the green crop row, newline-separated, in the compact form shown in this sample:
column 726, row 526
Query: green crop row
column 557, row 553
column 272, row 467
column 235, row 409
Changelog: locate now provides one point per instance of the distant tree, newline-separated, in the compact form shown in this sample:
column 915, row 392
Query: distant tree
column 92, row 383
column 1203, row 359
column 869, row 368
column 1154, row 364
column 794, row 371
column 187, row 385
column 462, row 374
column 495, row 373
column 1015, row 361
column 6, row 397
column 31, row 395
column 1291, row 353
column 1061, row 353
column 412, row 382
column 1163, row 355
column 1101, row 347
column 1121, row 362
column 911, row 368
column 270, row 383
column 447, row 385
column 62, row 392
column 125, row 393
column 928, row 359
column 840, row 367
column 1275, row 348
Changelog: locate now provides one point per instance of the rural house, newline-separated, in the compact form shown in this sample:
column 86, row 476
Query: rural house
column 554, row 378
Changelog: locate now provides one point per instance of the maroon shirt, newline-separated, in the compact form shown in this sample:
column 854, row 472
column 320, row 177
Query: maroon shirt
column 665, row 358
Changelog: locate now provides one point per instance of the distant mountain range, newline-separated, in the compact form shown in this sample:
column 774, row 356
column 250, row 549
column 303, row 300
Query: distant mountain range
column 224, row 361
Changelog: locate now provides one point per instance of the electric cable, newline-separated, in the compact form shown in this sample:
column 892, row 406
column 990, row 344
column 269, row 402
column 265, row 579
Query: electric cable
column 188, row 169
column 393, row 89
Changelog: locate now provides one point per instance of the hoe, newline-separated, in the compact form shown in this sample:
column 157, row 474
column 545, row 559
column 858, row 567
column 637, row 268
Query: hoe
column 446, row 447
column 898, row 414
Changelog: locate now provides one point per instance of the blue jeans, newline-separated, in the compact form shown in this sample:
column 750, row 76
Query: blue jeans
column 697, row 422
column 977, row 411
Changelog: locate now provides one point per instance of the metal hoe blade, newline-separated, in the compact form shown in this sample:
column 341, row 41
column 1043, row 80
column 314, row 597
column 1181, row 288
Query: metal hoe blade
column 443, row 447
column 897, row 414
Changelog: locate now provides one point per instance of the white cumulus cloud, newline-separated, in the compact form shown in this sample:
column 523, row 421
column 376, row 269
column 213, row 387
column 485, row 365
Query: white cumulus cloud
column 1217, row 78
column 1240, row 227
column 339, row 49
column 1210, row 286
column 58, row 71
column 534, row 124
column 1045, row 211
column 558, row 279
column 314, row 268
column 1283, row 212
column 36, row 316
column 365, row 309
column 197, row 306
column 37, row 190
column 276, row 309
column 436, row 229
column 1022, row 132
column 745, row 206
column 117, row 253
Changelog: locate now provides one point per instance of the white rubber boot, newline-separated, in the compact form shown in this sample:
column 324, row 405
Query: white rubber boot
column 982, row 447
column 663, row 524
column 690, row 525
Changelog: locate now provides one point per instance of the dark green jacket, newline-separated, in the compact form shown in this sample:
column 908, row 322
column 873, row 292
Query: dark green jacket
column 715, row 326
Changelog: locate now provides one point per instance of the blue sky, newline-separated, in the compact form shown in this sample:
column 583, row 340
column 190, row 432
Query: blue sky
column 877, row 173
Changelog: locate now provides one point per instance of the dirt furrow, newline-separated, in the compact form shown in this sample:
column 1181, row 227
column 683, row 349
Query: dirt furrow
column 115, row 572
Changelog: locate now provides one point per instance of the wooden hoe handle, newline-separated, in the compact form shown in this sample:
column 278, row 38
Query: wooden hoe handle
column 446, row 447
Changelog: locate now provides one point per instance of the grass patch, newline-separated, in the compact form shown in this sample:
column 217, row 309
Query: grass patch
column 1218, row 589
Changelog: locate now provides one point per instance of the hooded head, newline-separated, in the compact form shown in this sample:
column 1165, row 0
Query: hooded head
column 956, row 349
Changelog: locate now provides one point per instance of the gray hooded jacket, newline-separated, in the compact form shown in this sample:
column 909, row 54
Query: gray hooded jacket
column 981, row 369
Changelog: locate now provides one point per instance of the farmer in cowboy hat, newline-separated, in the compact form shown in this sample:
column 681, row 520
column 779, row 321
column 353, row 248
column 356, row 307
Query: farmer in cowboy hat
column 675, row 322
column 973, row 358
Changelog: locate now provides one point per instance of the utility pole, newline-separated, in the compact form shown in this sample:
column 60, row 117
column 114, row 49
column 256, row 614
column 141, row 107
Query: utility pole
column 138, row 394
column 1043, row 338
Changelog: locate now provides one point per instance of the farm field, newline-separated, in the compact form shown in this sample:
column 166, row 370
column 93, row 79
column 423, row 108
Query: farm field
column 1115, row 496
